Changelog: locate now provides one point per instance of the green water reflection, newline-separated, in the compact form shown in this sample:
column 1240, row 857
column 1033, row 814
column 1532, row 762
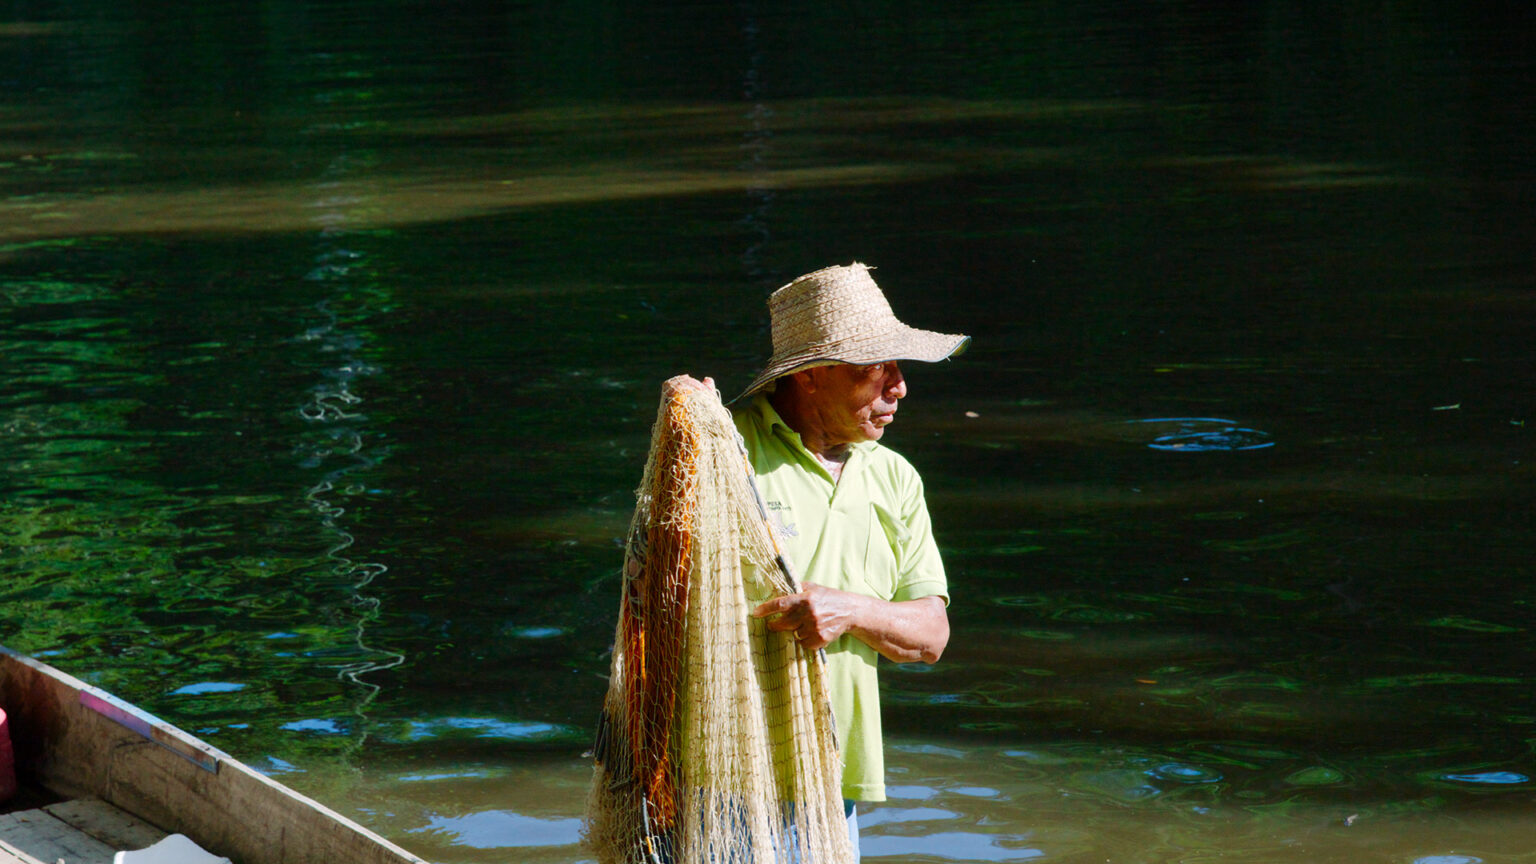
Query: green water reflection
column 330, row 336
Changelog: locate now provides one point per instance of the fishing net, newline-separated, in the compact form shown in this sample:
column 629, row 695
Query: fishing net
column 716, row 742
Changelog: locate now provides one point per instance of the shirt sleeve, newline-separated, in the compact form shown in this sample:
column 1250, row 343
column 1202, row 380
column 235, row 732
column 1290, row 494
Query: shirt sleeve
column 922, row 570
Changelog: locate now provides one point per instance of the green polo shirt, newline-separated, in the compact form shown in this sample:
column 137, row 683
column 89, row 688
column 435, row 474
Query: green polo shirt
column 867, row 533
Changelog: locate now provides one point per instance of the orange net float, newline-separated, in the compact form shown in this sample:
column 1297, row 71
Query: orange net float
column 655, row 606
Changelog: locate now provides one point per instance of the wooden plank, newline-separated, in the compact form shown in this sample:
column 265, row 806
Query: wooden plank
column 38, row 834
column 11, row 855
column 106, row 823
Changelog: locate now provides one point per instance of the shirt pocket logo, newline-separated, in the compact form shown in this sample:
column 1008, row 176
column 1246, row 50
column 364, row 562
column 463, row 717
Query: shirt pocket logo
column 776, row 517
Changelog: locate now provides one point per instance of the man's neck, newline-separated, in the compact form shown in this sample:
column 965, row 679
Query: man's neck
column 834, row 463
column 798, row 417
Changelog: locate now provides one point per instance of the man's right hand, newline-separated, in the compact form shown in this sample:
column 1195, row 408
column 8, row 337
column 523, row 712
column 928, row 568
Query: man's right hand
column 681, row 383
column 905, row 631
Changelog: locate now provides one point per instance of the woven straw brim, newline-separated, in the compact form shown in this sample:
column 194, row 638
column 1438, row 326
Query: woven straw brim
column 896, row 342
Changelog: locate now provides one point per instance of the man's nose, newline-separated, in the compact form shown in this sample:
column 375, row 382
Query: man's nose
column 895, row 382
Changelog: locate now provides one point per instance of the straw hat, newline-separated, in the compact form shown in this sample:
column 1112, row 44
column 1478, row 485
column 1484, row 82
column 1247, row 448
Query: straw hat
column 839, row 315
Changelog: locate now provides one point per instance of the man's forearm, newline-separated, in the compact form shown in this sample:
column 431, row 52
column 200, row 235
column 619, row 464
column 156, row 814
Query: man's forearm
column 904, row 631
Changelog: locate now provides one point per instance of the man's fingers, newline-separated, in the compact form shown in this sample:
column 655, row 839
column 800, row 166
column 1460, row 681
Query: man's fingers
column 682, row 383
column 794, row 616
column 778, row 605
column 786, row 622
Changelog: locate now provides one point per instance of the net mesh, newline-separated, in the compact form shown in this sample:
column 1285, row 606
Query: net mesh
column 716, row 742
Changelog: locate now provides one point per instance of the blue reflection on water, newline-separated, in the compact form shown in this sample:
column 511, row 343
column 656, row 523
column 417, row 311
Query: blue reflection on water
column 889, row 815
column 207, row 687
column 1493, row 778
column 974, row 791
column 535, row 632
column 322, row 726
column 1206, row 434
column 272, row 766
column 501, row 829
column 952, row 846
column 451, row 775
column 908, row 793
column 488, row 727
column 1185, row 773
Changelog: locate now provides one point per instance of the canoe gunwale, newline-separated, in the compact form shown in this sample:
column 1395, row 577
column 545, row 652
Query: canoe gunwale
column 153, row 729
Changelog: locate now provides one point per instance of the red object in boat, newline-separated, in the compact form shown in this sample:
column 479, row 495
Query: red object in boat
column 7, row 760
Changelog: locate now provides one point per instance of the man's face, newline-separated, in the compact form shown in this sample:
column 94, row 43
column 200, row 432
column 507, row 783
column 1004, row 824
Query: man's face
column 856, row 403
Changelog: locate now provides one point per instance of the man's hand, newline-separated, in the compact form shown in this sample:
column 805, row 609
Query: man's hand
column 816, row 614
column 902, row 631
column 672, row 386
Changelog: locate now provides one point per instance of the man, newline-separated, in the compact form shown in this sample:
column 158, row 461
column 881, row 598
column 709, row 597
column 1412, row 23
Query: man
column 850, row 513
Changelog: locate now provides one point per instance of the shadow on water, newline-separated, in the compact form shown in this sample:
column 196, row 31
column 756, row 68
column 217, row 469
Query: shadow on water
column 628, row 153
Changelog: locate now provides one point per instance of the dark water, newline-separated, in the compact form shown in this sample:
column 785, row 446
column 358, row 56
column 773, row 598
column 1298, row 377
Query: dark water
column 330, row 336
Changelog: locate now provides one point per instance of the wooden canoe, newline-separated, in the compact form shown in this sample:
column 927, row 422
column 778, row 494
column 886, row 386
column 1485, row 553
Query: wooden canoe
column 80, row 750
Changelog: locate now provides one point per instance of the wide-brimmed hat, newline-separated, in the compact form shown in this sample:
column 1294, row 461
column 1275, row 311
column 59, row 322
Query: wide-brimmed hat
column 839, row 315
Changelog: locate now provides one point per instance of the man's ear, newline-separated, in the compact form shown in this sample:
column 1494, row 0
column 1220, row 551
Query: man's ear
column 805, row 380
